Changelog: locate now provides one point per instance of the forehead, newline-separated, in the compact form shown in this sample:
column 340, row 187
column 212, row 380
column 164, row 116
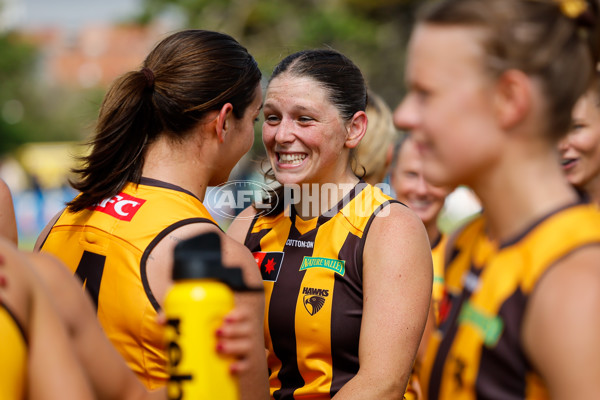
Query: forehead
column 300, row 89
column 443, row 54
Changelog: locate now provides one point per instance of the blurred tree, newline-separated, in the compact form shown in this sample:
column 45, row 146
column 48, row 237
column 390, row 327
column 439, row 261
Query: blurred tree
column 31, row 111
column 372, row 33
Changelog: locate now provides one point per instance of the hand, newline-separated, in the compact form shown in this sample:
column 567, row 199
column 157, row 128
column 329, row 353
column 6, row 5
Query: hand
column 234, row 338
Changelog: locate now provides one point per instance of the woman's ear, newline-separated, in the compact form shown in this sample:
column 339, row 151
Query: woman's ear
column 223, row 122
column 357, row 127
column 513, row 98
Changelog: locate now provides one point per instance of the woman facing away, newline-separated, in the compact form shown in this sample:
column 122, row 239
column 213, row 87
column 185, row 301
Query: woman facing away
column 165, row 133
column 491, row 87
column 347, row 270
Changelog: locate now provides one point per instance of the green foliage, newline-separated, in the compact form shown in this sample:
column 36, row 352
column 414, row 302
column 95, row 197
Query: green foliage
column 372, row 33
column 31, row 111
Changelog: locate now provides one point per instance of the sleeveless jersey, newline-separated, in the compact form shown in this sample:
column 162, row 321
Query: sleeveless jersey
column 13, row 356
column 437, row 254
column 107, row 246
column 476, row 352
column 312, row 274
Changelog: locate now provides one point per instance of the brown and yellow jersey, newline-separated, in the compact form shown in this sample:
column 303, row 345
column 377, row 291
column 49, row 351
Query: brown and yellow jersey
column 476, row 352
column 312, row 272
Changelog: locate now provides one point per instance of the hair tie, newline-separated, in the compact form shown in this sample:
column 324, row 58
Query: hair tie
column 573, row 8
column 149, row 75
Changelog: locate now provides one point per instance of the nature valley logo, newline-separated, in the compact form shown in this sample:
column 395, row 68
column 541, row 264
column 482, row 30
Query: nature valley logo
column 338, row 266
column 314, row 299
column 490, row 327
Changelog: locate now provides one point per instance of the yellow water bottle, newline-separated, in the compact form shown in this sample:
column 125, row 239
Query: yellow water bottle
column 195, row 306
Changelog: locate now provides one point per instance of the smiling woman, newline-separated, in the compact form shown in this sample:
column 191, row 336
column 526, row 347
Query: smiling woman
column 580, row 149
column 339, row 259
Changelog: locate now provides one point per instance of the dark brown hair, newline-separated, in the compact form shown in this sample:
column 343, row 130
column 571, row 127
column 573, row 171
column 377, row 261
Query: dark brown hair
column 340, row 77
column 536, row 37
column 186, row 75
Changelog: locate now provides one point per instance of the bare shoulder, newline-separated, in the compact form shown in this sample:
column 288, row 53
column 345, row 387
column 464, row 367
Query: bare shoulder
column 241, row 224
column 562, row 325
column 396, row 228
column 573, row 281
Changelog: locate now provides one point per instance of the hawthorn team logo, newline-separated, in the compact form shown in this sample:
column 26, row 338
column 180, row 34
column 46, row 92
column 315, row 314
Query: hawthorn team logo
column 314, row 299
column 269, row 264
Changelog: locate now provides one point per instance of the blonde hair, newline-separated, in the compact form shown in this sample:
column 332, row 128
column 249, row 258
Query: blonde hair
column 373, row 155
column 537, row 37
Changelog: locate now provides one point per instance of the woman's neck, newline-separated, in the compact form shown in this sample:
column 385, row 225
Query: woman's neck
column 314, row 199
column 521, row 192
column 176, row 164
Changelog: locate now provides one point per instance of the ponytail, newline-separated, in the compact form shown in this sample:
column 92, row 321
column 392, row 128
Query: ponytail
column 126, row 124
column 186, row 75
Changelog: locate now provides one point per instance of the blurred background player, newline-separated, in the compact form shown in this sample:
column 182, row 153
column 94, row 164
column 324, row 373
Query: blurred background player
column 580, row 149
column 492, row 84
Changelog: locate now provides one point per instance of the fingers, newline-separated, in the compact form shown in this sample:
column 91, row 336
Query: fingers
column 234, row 338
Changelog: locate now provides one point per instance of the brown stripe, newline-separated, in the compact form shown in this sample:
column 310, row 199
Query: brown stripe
column 503, row 369
column 346, row 316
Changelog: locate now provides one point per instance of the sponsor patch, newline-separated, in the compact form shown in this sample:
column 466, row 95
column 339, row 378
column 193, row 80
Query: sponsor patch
column 489, row 326
column 121, row 206
column 338, row 266
column 269, row 264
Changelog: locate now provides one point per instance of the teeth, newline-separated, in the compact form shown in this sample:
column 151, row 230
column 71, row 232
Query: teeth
column 567, row 161
column 291, row 158
column 420, row 203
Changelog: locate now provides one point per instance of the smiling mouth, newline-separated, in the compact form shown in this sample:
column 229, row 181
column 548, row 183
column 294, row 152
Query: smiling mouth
column 419, row 204
column 290, row 159
column 568, row 162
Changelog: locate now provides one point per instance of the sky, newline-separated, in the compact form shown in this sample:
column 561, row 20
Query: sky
column 69, row 14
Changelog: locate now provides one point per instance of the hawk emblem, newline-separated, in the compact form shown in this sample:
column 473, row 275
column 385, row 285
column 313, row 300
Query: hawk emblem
column 313, row 304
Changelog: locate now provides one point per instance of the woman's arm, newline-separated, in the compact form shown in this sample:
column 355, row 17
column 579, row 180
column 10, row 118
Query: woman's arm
column 253, row 368
column 54, row 371
column 397, row 280
column 108, row 373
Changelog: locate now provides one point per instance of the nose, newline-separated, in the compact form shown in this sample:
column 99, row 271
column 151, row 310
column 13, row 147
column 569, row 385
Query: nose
column 421, row 185
column 563, row 144
column 405, row 114
column 285, row 131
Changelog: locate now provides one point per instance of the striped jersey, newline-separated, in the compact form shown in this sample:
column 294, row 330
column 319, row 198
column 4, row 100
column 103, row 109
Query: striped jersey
column 438, row 249
column 312, row 274
column 107, row 246
column 476, row 353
